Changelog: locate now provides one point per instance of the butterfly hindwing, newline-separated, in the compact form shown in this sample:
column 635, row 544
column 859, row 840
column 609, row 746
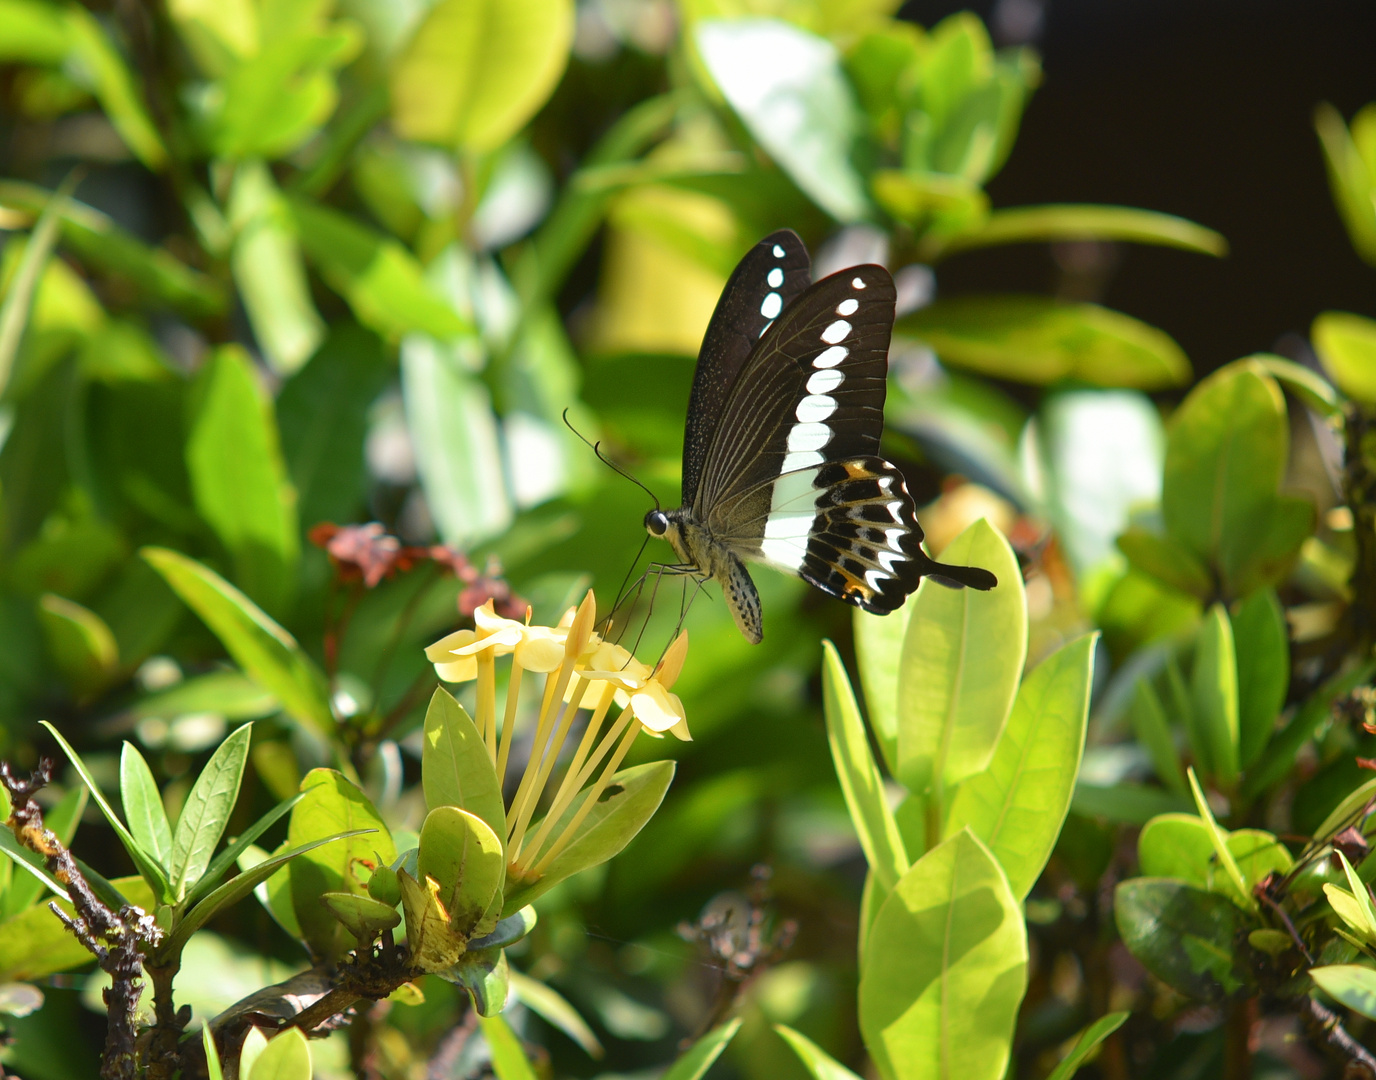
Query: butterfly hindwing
column 765, row 282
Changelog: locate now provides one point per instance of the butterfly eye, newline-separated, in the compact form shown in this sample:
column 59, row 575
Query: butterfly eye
column 657, row 522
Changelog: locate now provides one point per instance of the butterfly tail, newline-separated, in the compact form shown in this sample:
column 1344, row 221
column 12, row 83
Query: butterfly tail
column 961, row 577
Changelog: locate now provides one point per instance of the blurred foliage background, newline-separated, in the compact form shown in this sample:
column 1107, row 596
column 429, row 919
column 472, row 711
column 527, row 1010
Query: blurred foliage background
column 351, row 261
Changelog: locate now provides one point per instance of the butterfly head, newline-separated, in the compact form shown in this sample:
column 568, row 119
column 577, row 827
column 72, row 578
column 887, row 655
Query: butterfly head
column 657, row 522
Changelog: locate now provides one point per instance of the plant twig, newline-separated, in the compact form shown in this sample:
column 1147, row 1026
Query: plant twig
column 1326, row 1029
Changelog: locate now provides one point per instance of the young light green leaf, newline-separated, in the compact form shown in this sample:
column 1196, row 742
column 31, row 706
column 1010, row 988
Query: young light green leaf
column 212, row 1055
column 509, row 1061
column 476, row 70
column 623, row 808
column 1220, row 845
column 818, row 1062
column 1213, row 693
column 1154, row 734
column 461, row 852
column 1039, row 340
column 878, row 655
column 455, row 768
column 1346, row 345
column 14, row 311
column 962, row 657
column 551, row 1006
column 1350, row 180
column 287, row 1056
column 945, row 968
column 1351, row 984
column 1181, row 934
column 1177, row 846
column 1017, row 805
column 104, row 71
column 266, row 652
column 787, row 87
column 1087, row 1043
column 147, row 866
column 142, row 801
column 861, row 783
column 206, row 812
column 694, row 1063
column 230, row 855
column 1071, row 221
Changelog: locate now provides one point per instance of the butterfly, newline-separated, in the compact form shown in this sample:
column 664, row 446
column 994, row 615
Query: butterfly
column 781, row 460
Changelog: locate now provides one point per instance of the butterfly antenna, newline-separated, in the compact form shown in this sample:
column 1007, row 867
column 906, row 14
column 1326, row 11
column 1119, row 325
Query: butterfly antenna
column 623, row 593
column 597, row 449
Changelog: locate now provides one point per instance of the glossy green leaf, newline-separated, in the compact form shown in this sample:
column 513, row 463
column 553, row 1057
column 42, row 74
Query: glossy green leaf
column 206, row 811
column 1182, row 934
column 878, row 653
column 817, row 1061
column 34, row 944
column 138, row 793
column 379, row 278
column 623, row 808
column 554, row 1009
column 1350, row 178
column 287, row 1056
column 962, row 658
column 18, row 298
column 1213, row 693
column 1038, row 340
column 244, row 496
column 365, row 917
column 509, row 1061
column 458, row 450
column 1167, row 560
column 455, row 767
column 332, row 805
column 861, row 783
column 269, row 271
column 1346, row 345
column 1154, row 734
column 694, row 1063
column 265, row 651
column 1080, row 221
column 508, row 931
column 80, row 643
column 1087, row 1043
column 147, row 866
column 1017, row 805
column 1262, row 645
column 1351, row 984
column 1219, row 839
column 476, row 70
column 945, row 968
column 787, row 87
column 461, row 852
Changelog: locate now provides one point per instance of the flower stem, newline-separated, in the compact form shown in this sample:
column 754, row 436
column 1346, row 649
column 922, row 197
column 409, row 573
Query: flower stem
column 487, row 701
column 513, row 692
column 554, row 692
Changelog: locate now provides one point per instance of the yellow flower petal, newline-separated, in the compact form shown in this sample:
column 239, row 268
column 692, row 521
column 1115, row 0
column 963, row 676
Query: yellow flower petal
column 668, row 671
column 442, row 650
column 460, row 669
column 656, row 708
column 540, row 649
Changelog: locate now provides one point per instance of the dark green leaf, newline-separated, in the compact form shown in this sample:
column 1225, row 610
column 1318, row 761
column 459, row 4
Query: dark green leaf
column 81, row 645
column 485, row 974
column 1132, row 804
column 1166, row 560
column 1154, row 733
column 1181, row 934
column 34, row 944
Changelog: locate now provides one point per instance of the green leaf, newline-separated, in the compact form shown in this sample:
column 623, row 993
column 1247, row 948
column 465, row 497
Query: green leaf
column 147, row 866
column 365, row 917
column 1262, row 645
column 623, row 808
column 1177, row 846
column 15, row 310
column 694, row 1063
column 461, row 852
column 1309, row 386
column 32, row 32
column 1017, row 805
column 486, row 975
column 1082, row 221
column 1258, row 853
column 34, row 944
column 226, row 693
column 1351, row 984
column 1038, row 340
column 1218, row 839
column 1154, row 735
column 381, row 280
column 80, row 643
column 244, row 496
column 62, row 820
column 212, row 1055
column 206, row 811
column 1350, row 179
column 476, row 70
column 1087, row 1043
column 1346, row 345
column 934, row 202
column 98, row 65
column 1181, row 934
column 551, row 1006
column 332, row 806
column 1346, row 812
column 269, row 655
column 458, row 451
column 455, row 768
column 230, row 855
column 818, row 1062
column 1213, row 693
column 1165, row 559
column 287, row 1056
column 1131, row 804
column 142, row 801
column 962, row 657
column 787, row 87
column 30, row 862
column 861, row 783
column 509, row 1061
column 878, row 655
column 945, row 968
column 269, row 271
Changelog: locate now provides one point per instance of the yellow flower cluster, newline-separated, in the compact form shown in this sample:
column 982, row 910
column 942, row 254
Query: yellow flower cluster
column 582, row 672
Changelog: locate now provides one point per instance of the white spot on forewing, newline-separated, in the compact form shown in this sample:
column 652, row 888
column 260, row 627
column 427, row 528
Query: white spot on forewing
column 836, row 332
column 779, row 253
column 776, row 278
column 825, row 381
column 857, row 283
column 784, row 553
column 793, row 491
column 809, row 436
column 848, row 307
column 772, row 305
column 831, row 357
column 781, row 526
column 800, row 459
column 815, row 408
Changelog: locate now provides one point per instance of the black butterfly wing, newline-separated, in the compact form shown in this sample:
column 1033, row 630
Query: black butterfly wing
column 770, row 277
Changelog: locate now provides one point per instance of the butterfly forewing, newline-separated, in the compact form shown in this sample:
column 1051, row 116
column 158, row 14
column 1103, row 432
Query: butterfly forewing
column 770, row 277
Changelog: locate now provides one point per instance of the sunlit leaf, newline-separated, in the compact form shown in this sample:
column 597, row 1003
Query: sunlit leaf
column 455, row 767
column 138, row 793
column 1087, row 1043
column 695, row 1062
column 509, row 1061
column 206, row 811
column 1071, row 221
column 818, row 1062
column 1351, row 984
column 1346, row 345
